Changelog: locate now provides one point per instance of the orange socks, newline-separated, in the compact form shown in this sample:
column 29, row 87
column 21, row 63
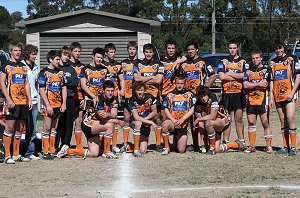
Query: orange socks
column 232, row 145
column 293, row 138
column 7, row 138
column 212, row 140
column 126, row 130
column 45, row 142
column 285, row 137
column 78, row 138
column 115, row 137
column 107, row 140
column 16, row 149
column 136, row 139
column 268, row 139
column 79, row 152
column 165, row 136
column 157, row 136
column 52, row 141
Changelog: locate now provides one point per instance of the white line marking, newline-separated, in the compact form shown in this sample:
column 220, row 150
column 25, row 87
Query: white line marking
column 145, row 190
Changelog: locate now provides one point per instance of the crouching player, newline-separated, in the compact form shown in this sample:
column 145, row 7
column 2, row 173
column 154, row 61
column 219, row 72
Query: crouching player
column 178, row 108
column 97, row 125
column 213, row 118
column 143, row 108
column 54, row 94
column 256, row 80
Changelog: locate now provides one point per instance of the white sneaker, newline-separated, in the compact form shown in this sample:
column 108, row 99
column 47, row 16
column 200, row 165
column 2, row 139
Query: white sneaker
column 33, row 157
column 137, row 153
column 63, row 151
column 109, row 155
column 20, row 158
column 115, row 149
column 9, row 160
column 165, row 151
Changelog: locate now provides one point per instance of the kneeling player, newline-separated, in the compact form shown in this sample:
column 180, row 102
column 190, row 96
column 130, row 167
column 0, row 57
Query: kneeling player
column 212, row 117
column 143, row 108
column 178, row 108
column 98, row 124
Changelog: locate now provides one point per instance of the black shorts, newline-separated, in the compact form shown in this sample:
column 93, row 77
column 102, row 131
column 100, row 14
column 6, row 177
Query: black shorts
column 256, row 109
column 56, row 113
column 126, row 104
column 159, row 106
column 87, row 130
column 79, row 104
column 233, row 101
column 145, row 130
column 284, row 103
column 180, row 132
column 224, row 129
column 19, row 112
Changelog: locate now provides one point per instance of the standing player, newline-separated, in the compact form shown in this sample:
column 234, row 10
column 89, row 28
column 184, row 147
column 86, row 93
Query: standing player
column 66, row 121
column 30, row 53
column 178, row 108
column 115, row 75
column 16, row 90
column 127, row 66
column 93, row 76
column 151, row 72
column 213, row 117
column 143, row 108
column 74, row 62
column 286, row 79
column 196, row 72
column 256, row 80
column 97, row 125
column 231, row 73
column 54, row 94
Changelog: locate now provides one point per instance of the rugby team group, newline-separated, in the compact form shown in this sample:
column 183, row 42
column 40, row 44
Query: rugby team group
column 166, row 96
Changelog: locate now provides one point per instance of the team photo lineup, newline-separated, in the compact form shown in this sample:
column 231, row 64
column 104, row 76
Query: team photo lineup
column 163, row 96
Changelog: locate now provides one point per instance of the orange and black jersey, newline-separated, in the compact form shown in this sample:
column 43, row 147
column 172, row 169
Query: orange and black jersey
column 230, row 64
column 53, row 80
column 143, row 106
column 284, row 70
column 107, row 104
column 168, row 83
column 127, row 67
column 77, row 67
column 95, row 77
column 196, row 72
column 205, row 108
column 179, row 103
column 114, row 69
column 255, row 75
column 150, row 69
column 16, row 73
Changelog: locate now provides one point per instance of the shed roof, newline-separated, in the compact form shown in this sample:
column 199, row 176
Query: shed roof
column 38, row 21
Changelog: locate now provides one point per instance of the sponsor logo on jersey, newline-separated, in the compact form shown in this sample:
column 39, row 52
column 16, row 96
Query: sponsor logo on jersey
column 149, row 74
column 180, row 105
column 281, row 74
column 54, row 86
column 192, row 74
column 96, row 81
column 18, row 78
column 233, row 70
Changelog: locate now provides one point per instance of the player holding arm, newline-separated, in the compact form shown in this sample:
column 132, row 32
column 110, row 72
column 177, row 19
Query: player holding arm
column 143, row 108
column 54, row 94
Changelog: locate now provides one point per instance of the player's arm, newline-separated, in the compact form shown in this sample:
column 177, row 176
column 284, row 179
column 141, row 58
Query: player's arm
column 211, row 80
column 138, row 77
column 272, row 102
column 157, row 80
column 236, row 76
column 263, row 84
column 185, row 117
column 139, row 118
column 122, row 83
column 169, row 116
column 28, row 93
column 10, row 102
column 225, row 77
column 85, row 88
column 211, row 116
column 64, row 99
column 153, row 112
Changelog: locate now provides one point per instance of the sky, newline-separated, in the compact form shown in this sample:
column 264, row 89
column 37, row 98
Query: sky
column 15, row 5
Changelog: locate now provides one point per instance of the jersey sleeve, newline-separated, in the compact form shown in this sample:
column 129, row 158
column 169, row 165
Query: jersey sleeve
column 197, row 110
column 246, row 77
column 42, row 79
column 214, row 101
column 160, row 68
column 166, row 102
column 115, row 103
column 82, row 72
column 209, row 70
column 221, row 67
column 132, row 106
column 2, row 67
column 136, row 68
column 296, row 65
column 100, row 104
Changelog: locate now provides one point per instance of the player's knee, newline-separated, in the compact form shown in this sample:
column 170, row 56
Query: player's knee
column 137, row 124
column 290, row 119
column 208, row 123
column 265, row 125
column 109, row 127
column 93, row 154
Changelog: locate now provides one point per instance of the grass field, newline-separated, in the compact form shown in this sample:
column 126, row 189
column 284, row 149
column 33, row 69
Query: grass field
column 232, row 174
